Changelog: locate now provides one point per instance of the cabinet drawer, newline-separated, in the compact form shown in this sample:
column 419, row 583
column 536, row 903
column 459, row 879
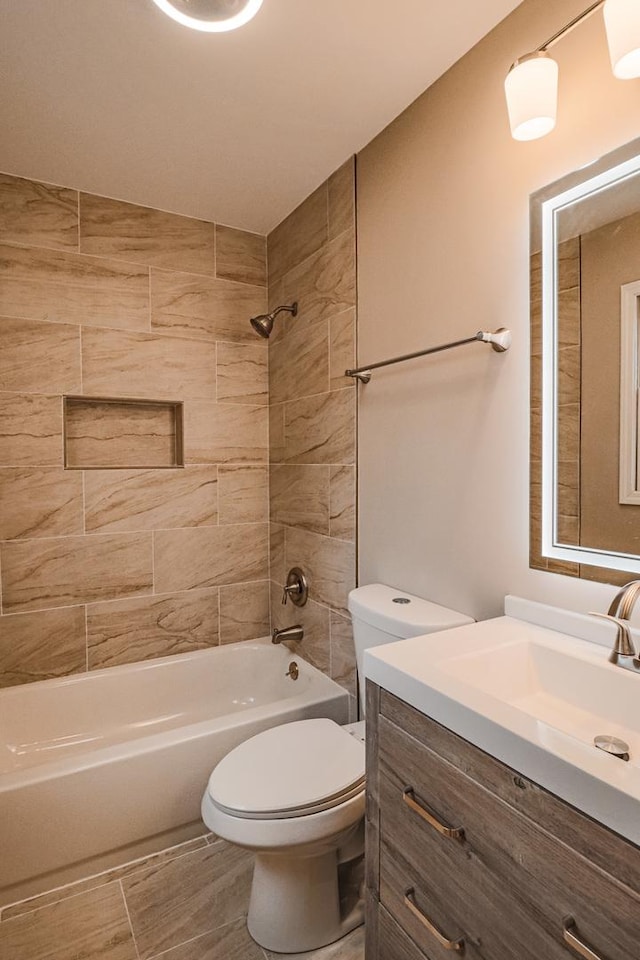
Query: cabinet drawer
column 502, row 858
column 393, row 942
column 612, row 853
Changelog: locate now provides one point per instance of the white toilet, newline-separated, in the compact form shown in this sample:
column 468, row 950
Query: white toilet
column 295, row 795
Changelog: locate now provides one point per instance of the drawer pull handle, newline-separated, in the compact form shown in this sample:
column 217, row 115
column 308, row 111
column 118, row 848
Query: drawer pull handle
column 570, row 937
column 409, row 797
column 456, row 945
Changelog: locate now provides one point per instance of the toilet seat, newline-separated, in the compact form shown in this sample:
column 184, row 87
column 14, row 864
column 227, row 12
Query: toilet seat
column 293, row 770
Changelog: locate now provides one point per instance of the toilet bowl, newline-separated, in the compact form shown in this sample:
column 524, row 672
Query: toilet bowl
column 294, row 795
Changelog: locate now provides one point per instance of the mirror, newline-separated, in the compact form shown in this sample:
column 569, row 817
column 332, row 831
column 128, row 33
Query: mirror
column 585, row 343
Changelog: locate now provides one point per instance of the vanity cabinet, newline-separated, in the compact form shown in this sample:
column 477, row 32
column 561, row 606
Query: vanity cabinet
column 466, row 856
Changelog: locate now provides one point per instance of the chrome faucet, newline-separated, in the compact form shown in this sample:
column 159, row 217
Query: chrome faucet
column 623, row 653
column 288, row 633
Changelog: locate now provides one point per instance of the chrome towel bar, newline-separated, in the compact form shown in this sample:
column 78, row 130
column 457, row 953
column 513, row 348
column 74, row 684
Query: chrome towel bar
column 500, row 340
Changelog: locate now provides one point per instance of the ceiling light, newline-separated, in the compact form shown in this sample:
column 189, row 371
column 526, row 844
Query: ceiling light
column 622, row 23
column 531, row 86
column 211, row 16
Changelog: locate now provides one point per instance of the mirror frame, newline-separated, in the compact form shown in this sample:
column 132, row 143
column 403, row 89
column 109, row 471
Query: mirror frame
column 546, row 552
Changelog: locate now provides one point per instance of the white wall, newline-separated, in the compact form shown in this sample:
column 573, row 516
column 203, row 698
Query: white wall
column 443, row 208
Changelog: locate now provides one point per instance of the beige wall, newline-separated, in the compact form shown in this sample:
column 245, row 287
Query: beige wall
column 312, row 410
column 101, row 567
column 610, row 257
column 443, row 198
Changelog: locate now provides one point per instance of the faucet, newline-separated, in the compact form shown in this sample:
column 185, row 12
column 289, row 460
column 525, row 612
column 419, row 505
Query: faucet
column 288, row 633
column 623, row 653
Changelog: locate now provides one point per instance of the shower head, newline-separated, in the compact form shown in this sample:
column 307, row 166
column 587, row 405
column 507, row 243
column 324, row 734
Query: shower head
column 263, row 325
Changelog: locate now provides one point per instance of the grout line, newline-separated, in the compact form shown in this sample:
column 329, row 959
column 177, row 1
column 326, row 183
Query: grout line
column 86, row 638
column 126, row 907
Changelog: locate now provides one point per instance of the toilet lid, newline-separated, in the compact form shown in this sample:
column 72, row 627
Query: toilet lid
column 291, row 770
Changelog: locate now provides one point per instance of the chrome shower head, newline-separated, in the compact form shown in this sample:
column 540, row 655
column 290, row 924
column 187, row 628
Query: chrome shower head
column 263, row 325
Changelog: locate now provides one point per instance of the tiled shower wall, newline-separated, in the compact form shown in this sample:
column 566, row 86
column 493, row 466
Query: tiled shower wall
column 312, row 407
column 102, row 567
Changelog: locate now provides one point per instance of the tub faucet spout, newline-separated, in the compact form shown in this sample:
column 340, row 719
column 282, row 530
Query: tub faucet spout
column 288, row 633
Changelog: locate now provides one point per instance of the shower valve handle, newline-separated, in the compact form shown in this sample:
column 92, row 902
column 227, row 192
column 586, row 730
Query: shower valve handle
column 296, row 588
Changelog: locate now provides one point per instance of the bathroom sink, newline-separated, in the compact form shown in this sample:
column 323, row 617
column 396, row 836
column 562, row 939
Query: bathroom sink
column 575, row 691
column 534, row 697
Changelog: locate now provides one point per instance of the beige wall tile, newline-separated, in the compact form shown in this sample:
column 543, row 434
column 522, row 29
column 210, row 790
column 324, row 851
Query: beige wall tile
column 72, row 288
column 120, row 435
column 205, row 309
column 244, row 611
column 243, row 494
column 299, row 496
column 299, row 362
column 30, row 430
column 243, row 373
column 568, row 375
column 342, row 349
column 329, row 565
column 42, row 574
column 225, row 432
column 241, row 256
column 126, row 631
column 299, row 235
column 185, row 898
column 343, row 654
column 314, row 620
column 343, row 503
column 277, row 448
column 38, row 646
column 277, row 570
column 321, row 429
column 210, row 556
column 39, row 357
column 93, row 924
column 43, row 502
column 121, row 500
column 38, row 214
column 122, row 364
column 342, row 196
column 125, row 231
column 325, row 284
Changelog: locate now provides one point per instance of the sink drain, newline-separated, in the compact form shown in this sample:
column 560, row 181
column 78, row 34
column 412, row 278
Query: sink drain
column 614, row 746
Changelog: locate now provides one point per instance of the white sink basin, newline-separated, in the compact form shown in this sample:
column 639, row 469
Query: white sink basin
column 574, row 691
column 534, row 698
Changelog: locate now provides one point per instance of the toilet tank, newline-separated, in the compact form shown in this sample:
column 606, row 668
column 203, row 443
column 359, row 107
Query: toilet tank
column 383, row 614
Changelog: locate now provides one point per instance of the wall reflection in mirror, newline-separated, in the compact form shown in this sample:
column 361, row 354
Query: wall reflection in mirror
column 585, row 296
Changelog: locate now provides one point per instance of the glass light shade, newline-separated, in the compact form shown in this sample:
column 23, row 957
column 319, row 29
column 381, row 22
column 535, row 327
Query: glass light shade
column 211, row 16
column 531, row 88
column 622, row 23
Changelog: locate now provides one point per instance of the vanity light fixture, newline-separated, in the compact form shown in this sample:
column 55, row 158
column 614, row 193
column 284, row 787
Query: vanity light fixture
column 531, row 86
column 210, row 16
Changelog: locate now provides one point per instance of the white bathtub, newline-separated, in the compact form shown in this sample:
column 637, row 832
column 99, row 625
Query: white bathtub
column 99, row 769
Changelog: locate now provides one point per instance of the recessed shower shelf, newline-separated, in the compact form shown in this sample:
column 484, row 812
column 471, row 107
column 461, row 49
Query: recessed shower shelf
column 110, row 433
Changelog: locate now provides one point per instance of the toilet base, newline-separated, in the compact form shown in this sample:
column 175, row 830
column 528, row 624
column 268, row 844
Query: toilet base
column 295, row 903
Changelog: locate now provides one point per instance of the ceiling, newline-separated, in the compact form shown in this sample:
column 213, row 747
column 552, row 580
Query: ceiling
column 113, row 97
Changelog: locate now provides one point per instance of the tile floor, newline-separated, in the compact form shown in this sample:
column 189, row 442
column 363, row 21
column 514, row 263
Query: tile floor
column 185, row 903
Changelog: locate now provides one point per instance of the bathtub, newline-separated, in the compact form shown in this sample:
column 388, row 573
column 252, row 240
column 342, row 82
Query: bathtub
column 99, row 769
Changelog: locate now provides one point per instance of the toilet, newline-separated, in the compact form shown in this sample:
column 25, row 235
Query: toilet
column 295, row 795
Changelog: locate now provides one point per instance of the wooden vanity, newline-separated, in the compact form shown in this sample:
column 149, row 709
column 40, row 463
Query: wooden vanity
column 467, row 856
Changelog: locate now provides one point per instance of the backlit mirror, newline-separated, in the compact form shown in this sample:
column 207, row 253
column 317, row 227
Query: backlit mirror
column 585, row 296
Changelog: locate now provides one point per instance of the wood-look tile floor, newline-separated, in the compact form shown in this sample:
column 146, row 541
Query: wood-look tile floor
column 185, row 903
